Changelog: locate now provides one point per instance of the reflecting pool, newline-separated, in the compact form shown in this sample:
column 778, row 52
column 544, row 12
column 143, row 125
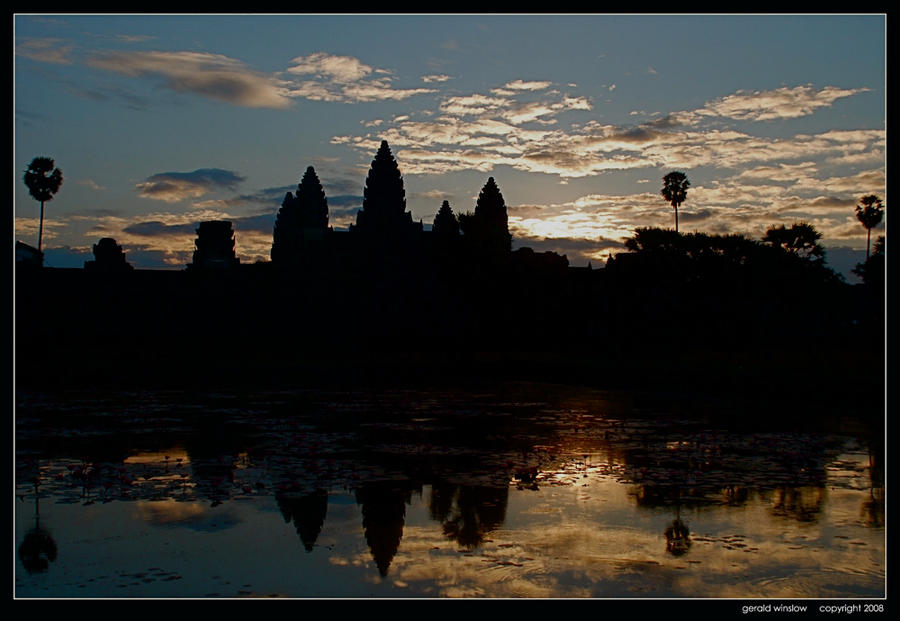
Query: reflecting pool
column 526, row 491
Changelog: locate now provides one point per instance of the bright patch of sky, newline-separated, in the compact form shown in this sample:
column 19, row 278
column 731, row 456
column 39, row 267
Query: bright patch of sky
column 159, row 122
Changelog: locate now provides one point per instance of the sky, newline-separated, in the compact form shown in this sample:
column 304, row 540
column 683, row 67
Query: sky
column 159, row 122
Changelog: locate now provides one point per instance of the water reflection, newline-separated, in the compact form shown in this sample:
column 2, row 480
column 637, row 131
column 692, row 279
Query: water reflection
column 307, row 512
column 678, row 538
column 459, row 457
column 38, row 548
column 468, row 513
column 383, row 510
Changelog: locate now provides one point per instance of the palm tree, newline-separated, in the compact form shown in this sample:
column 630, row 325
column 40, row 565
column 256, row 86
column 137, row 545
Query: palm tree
column 869, row 213
column 43, row 182
column 675, row 187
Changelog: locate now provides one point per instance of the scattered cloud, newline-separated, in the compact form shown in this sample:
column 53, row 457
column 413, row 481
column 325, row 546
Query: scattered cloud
column 329, row 77
column 46, row 50
column 109, row 93
column 781, row 103
column 211, row 75
column 155, row 228
column 525, row 85
column 90, row 183
column 429, row 79
column 340, row 69
column 472, row 105
column 126, row 38
column 436, row 195
column 177, row 186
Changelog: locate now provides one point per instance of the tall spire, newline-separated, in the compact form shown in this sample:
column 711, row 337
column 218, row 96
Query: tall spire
column 384, row 202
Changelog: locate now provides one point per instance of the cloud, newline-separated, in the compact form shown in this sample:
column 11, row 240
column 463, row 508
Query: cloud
column 781, row 103
column 172, row 235
column 128, row 99
column 176, row 186
column 523, row 85
column 780, row 172
column 437, row 195
column 379, row 90
column 428, row 79
column 211, row 75
column 340, row 69
column 134, row 38
column 472, row 105
column 155, row 228
column 479, row 132
column 47, row 50
column 758, row 179
column 333, row 78
column 268, row 198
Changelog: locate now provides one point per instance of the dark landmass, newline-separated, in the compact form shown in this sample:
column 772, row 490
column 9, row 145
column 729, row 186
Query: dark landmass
column 794, row 345
column 708, row 321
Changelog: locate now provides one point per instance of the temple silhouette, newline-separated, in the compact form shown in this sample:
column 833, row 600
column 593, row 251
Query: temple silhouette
column 108, row 257
column 393, row 300
column 385, row 235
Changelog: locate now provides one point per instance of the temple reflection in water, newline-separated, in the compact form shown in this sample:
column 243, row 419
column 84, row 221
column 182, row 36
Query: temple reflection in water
column 460, row 464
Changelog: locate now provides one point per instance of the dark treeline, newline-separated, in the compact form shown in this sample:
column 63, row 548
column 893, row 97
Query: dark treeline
column 389, row 301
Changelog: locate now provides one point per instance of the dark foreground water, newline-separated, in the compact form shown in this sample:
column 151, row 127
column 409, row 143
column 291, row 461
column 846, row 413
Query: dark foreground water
column 525, row 491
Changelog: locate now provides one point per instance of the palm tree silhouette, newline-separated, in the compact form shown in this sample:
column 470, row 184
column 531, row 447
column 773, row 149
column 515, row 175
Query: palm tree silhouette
column 869, row 214
column 43, row 182
column 675, row 187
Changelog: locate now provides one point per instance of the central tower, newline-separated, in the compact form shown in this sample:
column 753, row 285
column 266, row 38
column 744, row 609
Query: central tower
column 383, row 214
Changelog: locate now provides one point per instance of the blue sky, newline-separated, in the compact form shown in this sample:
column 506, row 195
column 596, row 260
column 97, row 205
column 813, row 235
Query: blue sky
column 161, row 121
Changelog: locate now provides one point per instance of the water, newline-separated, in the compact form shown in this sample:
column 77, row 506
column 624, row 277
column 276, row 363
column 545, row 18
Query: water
column 523, row 492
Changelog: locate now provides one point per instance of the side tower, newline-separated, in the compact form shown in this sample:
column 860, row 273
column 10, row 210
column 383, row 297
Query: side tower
column 108, row 257
column 487, row 230
column 215, row 246
column 302, row 220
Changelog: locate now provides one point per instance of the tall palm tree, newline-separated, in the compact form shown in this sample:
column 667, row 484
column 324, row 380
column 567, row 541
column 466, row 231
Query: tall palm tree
column 675, row 187
column 870, row 214
column 43, row 181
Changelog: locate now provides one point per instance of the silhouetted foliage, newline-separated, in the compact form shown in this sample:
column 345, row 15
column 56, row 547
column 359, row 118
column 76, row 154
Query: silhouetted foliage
column 869, row 214
column 675, row 248
column 384, row 204
column 477, row 511
column 872, row 270
column 674, row 190
column 801, row 239
column 108, row 257
column 487, row 228
column 215, row 246
column 302, row 218
column 43, row 181
column 720, row 286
